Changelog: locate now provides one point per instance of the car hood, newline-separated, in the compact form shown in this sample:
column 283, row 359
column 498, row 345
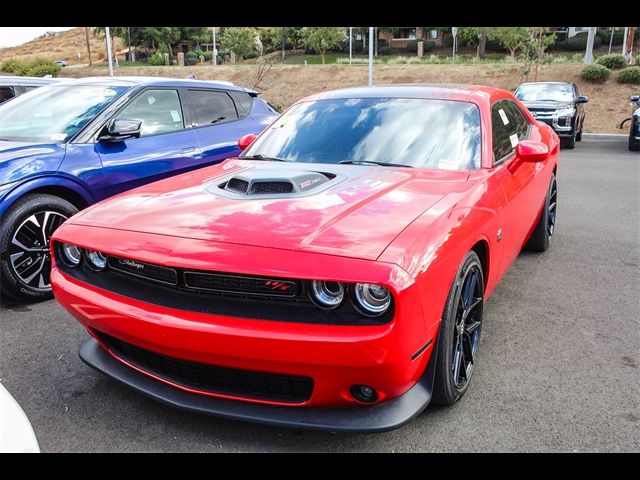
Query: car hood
column 19, row 160
column 548, row 105
column 356, row 214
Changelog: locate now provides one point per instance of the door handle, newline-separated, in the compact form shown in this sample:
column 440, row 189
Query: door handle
column 188, row 150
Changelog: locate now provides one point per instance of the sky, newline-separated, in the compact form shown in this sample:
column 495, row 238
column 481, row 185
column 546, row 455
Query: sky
column 12, row 36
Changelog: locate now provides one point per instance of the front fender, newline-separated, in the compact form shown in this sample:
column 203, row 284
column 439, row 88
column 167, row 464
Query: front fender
column 28, row 185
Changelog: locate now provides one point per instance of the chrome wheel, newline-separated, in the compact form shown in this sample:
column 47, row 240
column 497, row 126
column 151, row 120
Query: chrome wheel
column 468, row 323
column 29, row 253
column 551, row 212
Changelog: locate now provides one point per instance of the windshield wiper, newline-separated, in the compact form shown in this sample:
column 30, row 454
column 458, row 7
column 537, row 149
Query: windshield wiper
column 259, row 156
column 372, row 162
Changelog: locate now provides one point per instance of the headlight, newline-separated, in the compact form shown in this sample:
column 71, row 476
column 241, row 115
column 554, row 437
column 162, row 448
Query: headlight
column 326, row 295
column 371, row 300
column 566, row 112
column 70, row 254
column 96, row 260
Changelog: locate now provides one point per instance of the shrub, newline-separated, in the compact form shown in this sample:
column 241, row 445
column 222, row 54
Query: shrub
column 199, row 52
column 495, row 45
column 41, row 67
column 157, row 59
column 577, row 42
column 630, row 75
column 251, row 54
column 412, row 46
column 638, row 60
column 15, row 66
column 191, row 58
column 613, row 61
column 447, row 41
column 595, row 73
column 207, row 56
column 428, row 45
column 384, row 50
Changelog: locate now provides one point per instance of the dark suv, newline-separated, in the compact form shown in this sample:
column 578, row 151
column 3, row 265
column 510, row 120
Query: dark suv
column 11, row 87
column 558, row 104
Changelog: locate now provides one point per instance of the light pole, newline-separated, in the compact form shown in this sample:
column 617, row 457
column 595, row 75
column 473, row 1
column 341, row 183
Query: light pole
column 611, row 41
column 454, row 33
column 214, row 57
column 588, row 55
column 370, row 56
column 108, row 39
column 350, row 43
column 129, row 38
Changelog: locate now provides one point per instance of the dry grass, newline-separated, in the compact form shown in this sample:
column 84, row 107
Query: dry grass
column 65, row 45
column 608, row 104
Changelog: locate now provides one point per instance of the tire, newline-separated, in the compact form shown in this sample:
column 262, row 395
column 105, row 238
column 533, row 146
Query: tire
column 542, row 233
column 634, row 145
column 24, row 275
column 579, row 136
column 457, row 353
column 569, row 143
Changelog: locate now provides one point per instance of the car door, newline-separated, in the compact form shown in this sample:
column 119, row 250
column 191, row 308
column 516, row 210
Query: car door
column 517, row 179
column 218, row 122
column 165, row 147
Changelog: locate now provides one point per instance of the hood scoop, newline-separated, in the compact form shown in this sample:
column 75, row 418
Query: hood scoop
column 272, row 183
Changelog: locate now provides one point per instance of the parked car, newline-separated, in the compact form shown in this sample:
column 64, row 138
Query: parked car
column 11, row 87
column 558, row 104
column 70, row 144
column 16, row 433
column 634, row 127
column 334, row 275
column 62, row 63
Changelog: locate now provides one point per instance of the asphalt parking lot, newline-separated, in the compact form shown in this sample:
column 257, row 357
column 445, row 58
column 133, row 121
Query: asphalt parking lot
column 559, row 366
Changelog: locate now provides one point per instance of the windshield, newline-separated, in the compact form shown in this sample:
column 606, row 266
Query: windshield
column 54, row 113
column 539, row 92
column 413, row 132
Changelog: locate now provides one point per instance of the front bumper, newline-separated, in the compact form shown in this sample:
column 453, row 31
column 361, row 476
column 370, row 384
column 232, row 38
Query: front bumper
column 376, row 418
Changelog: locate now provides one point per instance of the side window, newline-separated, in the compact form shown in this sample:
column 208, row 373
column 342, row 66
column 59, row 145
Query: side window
column 158, row 110
column 6, row 93
column 520, row 123
column 244, row 102
column 502, row 129
column 509, row 126
column 210, row 107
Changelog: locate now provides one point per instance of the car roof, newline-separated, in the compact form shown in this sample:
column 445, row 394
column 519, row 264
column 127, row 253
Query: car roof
column 133, row 81
column 13, row 80
column 445, row 91
column 546, row 83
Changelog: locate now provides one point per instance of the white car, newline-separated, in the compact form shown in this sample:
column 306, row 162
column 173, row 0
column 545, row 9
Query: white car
column 16, row 433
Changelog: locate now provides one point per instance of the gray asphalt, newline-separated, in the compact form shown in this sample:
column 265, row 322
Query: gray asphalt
column 558, row 368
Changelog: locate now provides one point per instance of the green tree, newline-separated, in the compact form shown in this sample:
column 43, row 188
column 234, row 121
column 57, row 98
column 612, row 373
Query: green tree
column 478, row 36
column 270, row 38
column 322, row 39
column 240, row 40
column 512, row 37
column 533, row 49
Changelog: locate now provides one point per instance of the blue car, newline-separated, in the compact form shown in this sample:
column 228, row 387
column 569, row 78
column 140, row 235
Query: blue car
column 75, row 142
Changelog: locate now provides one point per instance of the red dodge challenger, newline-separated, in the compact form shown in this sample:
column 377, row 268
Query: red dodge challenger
column 334, row 275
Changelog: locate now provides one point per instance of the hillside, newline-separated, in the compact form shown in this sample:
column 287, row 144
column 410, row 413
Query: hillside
column 70, row 45
column 284, row 84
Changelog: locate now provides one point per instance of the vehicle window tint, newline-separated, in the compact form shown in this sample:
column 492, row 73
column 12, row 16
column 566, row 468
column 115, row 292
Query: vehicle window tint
column 6, row 93
column 519, row 121
column 502, row 130
column 211, row 107
column 244, row 101
column 158, row 110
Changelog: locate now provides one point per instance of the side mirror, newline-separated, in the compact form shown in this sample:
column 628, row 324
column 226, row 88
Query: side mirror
column 583, row 99
column 246, row 140
column 529, row 151
column 119, row 129
column 635, row 98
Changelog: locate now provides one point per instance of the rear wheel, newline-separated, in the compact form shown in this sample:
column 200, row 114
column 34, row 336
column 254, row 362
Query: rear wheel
column 25, row 233
column 459, row 335
column 634, row 145
column 539, row 239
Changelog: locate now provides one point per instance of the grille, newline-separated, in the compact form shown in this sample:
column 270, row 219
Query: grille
column 144, row 270
column 238, row 185
column 212, row 378
column 272, row 187
column 240, row 284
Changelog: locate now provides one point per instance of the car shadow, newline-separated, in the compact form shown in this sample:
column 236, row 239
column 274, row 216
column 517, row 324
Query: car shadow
column 13, row 305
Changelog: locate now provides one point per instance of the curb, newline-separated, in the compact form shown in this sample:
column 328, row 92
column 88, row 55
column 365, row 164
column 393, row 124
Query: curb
column 604, row 135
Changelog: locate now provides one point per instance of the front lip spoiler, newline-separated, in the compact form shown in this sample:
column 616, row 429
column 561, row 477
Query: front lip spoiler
column 358, row 419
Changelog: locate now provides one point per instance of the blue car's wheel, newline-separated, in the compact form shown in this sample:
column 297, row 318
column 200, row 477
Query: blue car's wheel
column 25, row 232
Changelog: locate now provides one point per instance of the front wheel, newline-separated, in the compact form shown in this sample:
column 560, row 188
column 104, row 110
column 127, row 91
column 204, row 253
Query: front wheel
column 459, row 335
column 542, row 233
column 569, row 143
column 25, row 233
